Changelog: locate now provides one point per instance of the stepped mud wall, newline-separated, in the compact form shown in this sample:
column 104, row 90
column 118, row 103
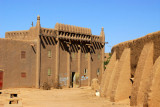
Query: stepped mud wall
column 133, row 74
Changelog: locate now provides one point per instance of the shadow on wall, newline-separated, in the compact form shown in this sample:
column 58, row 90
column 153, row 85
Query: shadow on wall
column 47, row 41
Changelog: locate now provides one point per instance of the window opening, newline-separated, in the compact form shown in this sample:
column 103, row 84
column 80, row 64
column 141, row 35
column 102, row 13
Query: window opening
column 23, row 54
column 85, row 72
column 49, row 54
column 23, row 74
column 98, row 72
column 49, row 72
column 99, row 56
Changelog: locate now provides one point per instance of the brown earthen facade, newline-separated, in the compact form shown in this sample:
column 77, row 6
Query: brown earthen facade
column 66, row 56
column 133, row 72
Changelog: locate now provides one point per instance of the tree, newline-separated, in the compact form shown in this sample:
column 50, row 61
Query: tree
column 107, row 61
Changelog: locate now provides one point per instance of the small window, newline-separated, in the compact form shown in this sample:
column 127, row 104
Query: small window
column 23, row 54
column 49, row 72
column 23, row 74
column 49, row 54
column 85, row 71
column 98, row 72
column 99, row 56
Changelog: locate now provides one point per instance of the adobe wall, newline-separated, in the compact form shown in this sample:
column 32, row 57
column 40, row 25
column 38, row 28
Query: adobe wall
column 72, row 49
column 153, row 95
column 120, row 80
column 30, row 34
column 97, row 61
column 105, row 81
column 74, row 57
column 136, row 47
column 13, row 65
column 47, row 44
column 142, row 75
column 116, row 83
column 141, row 59
column 84, row 65
column 63, row 65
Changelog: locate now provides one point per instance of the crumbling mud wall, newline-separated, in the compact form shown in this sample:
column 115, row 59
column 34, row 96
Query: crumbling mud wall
column 134, row 72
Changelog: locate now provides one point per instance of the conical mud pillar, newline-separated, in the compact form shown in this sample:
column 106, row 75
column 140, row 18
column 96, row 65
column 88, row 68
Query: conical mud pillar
column 121, row 85
column 107, row 74
column 142, row 76
column 154, row 95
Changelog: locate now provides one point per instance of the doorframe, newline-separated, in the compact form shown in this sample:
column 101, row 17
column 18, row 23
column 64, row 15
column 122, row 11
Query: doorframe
column 72, row 81
column 1, row 70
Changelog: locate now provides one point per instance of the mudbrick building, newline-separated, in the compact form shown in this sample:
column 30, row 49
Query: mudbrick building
column 66, row 56
column 133, row 72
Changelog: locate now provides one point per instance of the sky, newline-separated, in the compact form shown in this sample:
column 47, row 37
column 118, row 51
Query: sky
column 122, row 20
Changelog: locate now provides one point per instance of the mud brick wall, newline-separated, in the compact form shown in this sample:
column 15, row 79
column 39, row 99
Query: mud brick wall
column 18, row 72
column 136, row 47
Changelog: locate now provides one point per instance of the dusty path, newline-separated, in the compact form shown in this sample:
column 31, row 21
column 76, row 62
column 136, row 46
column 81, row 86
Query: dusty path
column 73, row 97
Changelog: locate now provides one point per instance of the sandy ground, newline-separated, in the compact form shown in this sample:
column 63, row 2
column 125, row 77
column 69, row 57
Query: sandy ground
column 73, row 97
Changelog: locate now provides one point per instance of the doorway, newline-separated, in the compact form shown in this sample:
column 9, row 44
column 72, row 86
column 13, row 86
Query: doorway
column 72, row 79
column 1, row 79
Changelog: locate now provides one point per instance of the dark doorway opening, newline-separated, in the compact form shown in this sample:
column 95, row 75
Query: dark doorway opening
column 13, row 102
column 1, row 79
column 72, row 83
column 13, row 95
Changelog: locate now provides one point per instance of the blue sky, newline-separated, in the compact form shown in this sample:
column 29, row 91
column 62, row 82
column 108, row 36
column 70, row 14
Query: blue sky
column 122, row 19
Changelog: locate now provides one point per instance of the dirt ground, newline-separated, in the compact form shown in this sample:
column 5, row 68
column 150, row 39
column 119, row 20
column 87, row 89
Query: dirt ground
column 72, row 97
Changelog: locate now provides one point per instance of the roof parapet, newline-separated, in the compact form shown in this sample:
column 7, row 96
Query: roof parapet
column 71, row 28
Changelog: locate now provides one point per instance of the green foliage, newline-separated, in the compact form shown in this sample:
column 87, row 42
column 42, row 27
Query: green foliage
column 107, row 61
